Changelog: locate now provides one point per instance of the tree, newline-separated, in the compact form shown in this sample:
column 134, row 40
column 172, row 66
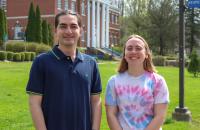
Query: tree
column 163, row 29
column 2, row 27
column 51, row 42
column 45, row 32
column 30, row 28
column 38, row 26
column 194, row 65
column 192, row 28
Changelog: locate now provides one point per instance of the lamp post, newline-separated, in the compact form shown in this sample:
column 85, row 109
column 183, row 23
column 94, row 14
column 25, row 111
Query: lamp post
column 181, row 112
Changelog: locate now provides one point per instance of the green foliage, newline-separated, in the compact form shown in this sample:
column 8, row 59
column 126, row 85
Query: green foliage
column 2, row 27
column 107, row 57
column 38, row 26
column 10, row 55
column 22, row 56
column 31, row 46
column 3, row 55
column 17, row 57
column 159, row 60
column 33, row 55
column 42, row 48
column 51, row 42
column 194, row 65
column 192, row 28
column 45, row 32
column 16, row 46
column 30, row 28
column 27, row 56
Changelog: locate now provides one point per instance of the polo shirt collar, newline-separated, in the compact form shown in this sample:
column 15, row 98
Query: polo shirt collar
column 60, row 55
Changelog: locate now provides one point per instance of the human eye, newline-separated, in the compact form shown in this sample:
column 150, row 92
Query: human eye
column 63, row 27
column 74, row 26
column 138, row 48
column 129, row 48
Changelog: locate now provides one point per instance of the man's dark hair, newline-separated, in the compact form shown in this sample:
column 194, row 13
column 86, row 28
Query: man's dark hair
column 68, row 13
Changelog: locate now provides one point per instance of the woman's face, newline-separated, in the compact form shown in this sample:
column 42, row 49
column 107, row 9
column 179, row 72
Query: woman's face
column 135, row 52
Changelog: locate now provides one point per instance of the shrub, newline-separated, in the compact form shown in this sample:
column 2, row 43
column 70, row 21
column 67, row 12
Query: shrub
column 9, row 46
column 31, row 46
column 19, row 47
column 41, row 48
column 17, row 57
column 194, row 65
column 10, row 56
column 159, row 60
column 3, row 55
column 107, row 57
column 22, row 56
column 27, row 56
column 32, row 56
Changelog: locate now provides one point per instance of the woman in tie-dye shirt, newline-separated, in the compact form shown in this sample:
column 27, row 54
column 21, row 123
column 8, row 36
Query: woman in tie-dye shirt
column 137, row 97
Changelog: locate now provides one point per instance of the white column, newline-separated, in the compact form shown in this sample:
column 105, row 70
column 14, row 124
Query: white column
column 98, row 25
column 103, row 42
column 88, row 24
column 93, row 25
column 107, row 26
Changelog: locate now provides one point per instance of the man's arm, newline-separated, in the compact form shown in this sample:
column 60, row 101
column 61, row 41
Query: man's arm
column 96, row 111
column 36, row 111
column 159, row 117
column 111, row 113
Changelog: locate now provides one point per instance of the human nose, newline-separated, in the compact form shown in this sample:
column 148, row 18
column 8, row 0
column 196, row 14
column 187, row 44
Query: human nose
column 68, row 30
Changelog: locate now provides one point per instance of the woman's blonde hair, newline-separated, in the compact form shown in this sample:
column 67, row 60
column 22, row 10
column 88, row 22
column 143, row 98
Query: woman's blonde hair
column 147, row 64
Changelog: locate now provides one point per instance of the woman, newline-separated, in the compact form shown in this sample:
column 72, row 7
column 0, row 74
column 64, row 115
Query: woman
column 137, row 97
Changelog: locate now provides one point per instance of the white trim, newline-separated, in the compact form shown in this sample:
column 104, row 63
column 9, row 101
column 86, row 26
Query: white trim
column 103, row 43
column 93, row 25
column 98, row 25
column 25, row 17
column 88, row 25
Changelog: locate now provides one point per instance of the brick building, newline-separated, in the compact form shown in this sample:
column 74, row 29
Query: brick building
column 100, row 18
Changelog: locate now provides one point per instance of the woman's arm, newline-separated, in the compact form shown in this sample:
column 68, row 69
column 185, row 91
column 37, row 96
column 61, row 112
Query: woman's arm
column 111, row 113
column 159, row 116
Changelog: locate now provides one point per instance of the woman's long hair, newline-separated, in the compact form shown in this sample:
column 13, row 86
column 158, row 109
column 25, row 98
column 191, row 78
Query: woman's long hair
column 147, row 64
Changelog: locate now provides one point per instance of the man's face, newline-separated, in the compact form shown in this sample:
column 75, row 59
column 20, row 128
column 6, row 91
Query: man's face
column 68, row 31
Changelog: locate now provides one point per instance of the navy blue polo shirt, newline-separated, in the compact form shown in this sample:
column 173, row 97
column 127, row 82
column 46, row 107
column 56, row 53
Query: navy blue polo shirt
column 66, row 87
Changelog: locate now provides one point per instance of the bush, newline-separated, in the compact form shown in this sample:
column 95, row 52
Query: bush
column 41, row 48
column 17, row 57
column 10, row 55
column 3, row 55
column 16, row 46
column 32, row 56
column 159, row 60
column 194, row 65
column 27, row 56
column 22, row 56
column 107, row 57
column 31, row 46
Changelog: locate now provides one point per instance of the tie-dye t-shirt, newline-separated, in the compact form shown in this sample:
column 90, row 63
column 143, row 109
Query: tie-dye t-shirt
column 135, row 97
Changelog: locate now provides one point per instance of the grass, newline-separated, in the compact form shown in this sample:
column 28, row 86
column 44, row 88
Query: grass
column 14, row 113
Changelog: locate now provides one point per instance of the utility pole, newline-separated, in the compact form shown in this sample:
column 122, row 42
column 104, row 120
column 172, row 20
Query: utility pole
column 181, row 112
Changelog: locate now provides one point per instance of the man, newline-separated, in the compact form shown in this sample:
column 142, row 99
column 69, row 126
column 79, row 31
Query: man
column 64, row 85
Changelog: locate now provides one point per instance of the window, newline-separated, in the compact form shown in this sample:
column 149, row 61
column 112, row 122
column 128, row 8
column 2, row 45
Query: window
column 59, row 4
column 3, row 4
column 73, row 6
column 66, row 4
column 83, row 7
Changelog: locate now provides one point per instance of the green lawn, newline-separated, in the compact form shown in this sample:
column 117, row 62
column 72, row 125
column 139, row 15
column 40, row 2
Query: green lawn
column 14, row 113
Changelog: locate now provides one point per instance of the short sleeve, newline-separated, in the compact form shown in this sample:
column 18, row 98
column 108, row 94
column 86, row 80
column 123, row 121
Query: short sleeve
column 110, row 96
column 161, row 93
column 96, row 87
column 35, row 83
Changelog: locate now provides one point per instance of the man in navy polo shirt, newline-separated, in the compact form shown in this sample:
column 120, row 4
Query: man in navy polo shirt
column 64, row 85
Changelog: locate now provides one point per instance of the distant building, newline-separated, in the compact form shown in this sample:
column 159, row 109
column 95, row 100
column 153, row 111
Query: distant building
column 100, row 18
